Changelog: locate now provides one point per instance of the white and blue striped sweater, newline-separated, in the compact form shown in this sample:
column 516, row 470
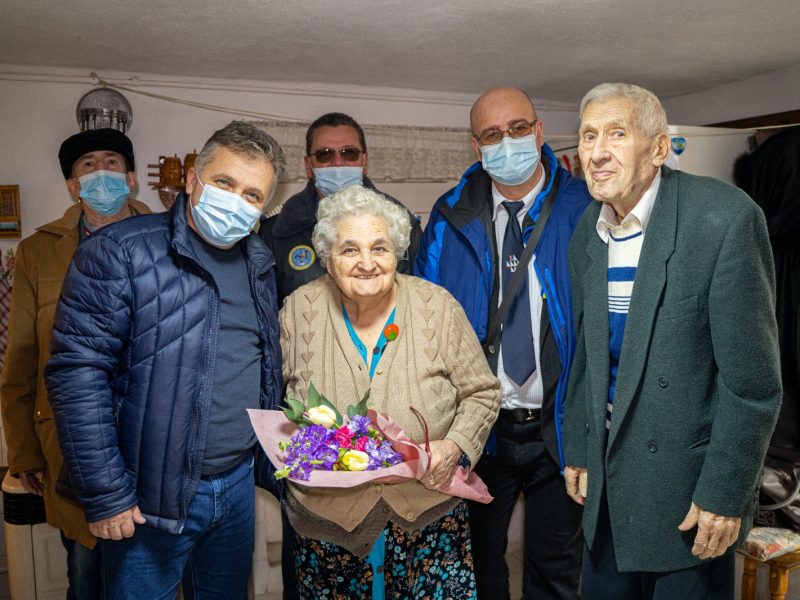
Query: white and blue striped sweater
column 624, row 247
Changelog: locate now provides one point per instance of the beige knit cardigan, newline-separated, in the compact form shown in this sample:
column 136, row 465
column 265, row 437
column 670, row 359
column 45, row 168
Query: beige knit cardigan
column 435, row 365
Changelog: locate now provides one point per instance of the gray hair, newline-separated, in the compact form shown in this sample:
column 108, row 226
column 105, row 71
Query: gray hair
column 359, row 201
column 243, row 138
column 651, row 116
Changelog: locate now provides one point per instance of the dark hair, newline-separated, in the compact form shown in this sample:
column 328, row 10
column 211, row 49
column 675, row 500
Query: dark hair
column 334, row 120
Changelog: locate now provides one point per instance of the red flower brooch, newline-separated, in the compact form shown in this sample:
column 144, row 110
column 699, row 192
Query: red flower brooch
column 391, row 332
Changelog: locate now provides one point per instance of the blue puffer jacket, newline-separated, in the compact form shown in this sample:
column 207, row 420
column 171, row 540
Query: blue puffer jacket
column 458, row 252
column 133, row 350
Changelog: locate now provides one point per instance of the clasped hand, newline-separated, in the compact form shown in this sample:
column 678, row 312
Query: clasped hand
column 445, row 455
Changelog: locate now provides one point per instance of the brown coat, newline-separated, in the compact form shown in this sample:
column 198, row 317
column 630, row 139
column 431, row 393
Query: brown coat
column 435, row 365
column 42, row 262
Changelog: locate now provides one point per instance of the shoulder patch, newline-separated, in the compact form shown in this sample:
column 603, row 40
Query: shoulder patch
column 301, row 257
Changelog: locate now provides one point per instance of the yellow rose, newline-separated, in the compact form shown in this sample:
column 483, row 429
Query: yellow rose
column 355, row 460
column 322, row 415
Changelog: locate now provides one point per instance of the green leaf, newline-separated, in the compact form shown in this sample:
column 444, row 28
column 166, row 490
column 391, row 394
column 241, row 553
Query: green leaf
column 361, row 408
column 313, row 396
column 289, row 413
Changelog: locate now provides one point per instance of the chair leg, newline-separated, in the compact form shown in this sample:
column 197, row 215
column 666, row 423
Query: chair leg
column 749, row 578
column 778, row 582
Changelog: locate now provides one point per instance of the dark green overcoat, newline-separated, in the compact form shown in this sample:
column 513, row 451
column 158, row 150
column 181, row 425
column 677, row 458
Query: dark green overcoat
column 698, row 387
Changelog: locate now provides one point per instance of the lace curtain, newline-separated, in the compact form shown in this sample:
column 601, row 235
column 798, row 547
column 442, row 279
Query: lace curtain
column 396, row 153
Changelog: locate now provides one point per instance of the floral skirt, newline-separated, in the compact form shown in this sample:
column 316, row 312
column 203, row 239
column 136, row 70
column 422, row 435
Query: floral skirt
column 433, row 562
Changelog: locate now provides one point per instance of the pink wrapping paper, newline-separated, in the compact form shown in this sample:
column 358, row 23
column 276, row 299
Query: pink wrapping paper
column 272, row 426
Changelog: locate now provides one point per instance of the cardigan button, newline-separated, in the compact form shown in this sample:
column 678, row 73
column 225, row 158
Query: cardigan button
column 652, row 447
column 492, row 349
column 410, row 516
column 378, row 488
column 379, row 371
column 663, row 381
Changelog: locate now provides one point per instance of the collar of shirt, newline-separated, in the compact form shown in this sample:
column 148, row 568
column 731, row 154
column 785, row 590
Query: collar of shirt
column 641, row 212
column 527, row 200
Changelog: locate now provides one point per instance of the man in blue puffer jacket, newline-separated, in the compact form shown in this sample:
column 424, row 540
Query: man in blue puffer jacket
column 472, row 246
column 165, row 334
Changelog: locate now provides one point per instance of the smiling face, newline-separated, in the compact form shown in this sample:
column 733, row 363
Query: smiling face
column 618, row 158
column 362, row 261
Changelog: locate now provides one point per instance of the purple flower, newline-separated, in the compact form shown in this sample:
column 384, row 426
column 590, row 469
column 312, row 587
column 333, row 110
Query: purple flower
column 359, row 425
column 381, row 454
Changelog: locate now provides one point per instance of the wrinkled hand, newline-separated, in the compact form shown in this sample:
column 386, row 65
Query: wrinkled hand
column 445, row 455
column 32, row 482
column 715, row 533
column 119, row 526
column 576, row 479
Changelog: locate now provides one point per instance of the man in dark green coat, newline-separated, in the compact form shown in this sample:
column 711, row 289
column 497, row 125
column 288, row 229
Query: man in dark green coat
column 675, row 383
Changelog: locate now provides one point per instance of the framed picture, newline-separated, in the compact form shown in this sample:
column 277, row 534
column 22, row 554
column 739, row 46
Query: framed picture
column 10, row 219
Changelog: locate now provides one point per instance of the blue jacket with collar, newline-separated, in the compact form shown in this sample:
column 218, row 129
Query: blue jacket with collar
column 459, row 252
column 133, row 356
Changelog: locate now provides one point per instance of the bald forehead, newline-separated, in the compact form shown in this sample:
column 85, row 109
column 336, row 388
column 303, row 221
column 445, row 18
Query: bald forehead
column 500, row 103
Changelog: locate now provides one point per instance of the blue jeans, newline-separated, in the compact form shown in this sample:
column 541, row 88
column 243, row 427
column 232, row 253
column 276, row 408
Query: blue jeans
column 83, row 570
column 212, row 556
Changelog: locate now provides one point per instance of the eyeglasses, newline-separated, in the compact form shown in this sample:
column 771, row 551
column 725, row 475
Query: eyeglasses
column 495, row 136
column 326, row 155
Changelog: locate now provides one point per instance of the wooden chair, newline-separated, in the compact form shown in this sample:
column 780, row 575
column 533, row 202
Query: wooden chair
column 778, row 548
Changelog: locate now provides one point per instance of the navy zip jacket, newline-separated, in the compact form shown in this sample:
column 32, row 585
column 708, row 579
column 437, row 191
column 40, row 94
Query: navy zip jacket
column 133, row 356
column 458, row 252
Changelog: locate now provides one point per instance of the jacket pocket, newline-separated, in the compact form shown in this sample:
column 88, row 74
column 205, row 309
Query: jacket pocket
column 682, row 308
column 700, row 445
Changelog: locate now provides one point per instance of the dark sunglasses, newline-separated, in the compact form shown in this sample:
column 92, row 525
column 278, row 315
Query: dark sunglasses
column 326, row 155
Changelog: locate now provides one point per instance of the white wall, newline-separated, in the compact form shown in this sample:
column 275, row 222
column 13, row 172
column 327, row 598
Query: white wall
column 765, row 94
column 38, row 113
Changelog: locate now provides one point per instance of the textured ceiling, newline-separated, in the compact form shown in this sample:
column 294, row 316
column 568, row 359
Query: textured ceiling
column 554, row 49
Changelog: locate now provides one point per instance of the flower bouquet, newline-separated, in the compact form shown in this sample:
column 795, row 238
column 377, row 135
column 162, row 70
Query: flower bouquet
column 314, row 446
column 325, row 442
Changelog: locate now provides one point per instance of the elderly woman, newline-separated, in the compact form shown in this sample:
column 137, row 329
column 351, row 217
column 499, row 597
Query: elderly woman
column 404, row 540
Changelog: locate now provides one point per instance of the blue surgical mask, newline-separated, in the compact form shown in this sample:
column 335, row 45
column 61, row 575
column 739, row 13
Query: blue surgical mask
column 104, row 191
column 223, row 218
column 330, row 180
column 512, row 161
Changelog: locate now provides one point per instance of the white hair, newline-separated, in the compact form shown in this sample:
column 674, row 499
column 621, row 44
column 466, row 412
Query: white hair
column 359, row 201
column 651, row 116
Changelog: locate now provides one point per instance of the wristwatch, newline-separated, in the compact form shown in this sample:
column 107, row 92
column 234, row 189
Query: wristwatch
column 464, row 462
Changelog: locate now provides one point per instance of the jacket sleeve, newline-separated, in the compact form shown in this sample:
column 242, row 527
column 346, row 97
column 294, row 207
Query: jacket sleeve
column 18, row 386
column 414, row 242
column 744, row 336
column 91, row 329
column 426, row 264
column 478, row 393
column 575, row 418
